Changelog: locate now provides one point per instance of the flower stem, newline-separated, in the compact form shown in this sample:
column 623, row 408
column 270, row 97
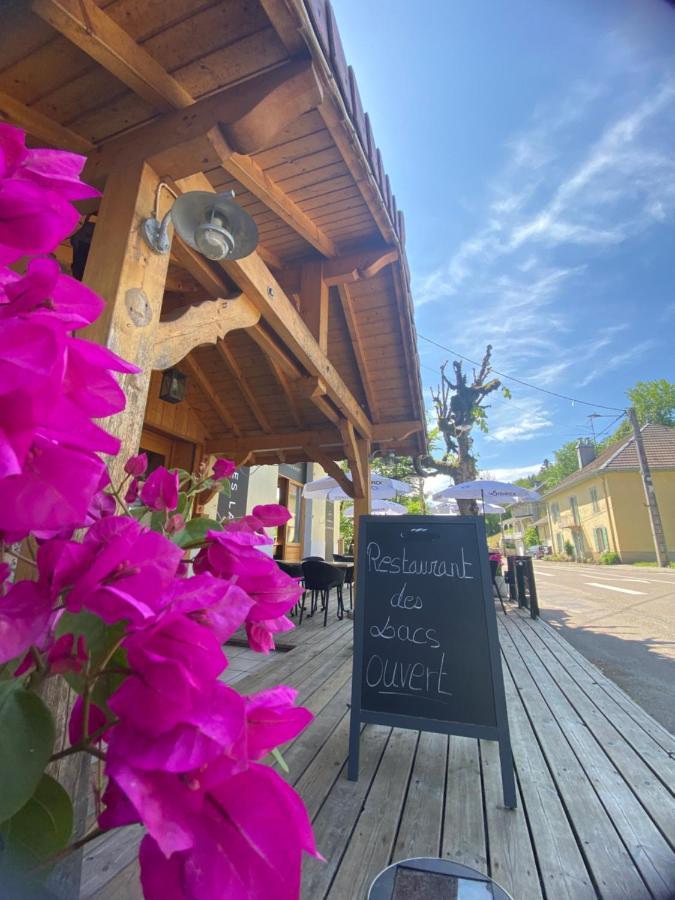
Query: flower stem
column 25, row 559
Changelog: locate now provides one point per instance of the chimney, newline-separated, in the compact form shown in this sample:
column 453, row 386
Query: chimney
column 585, row 452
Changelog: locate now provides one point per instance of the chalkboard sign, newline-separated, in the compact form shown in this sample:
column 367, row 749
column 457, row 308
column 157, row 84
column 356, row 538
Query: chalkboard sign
column 426, row 650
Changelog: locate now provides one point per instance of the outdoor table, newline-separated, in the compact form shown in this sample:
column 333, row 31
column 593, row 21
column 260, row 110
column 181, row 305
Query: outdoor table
column 434, row 879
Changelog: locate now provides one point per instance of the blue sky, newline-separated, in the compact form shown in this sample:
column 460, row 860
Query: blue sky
column 531, row 147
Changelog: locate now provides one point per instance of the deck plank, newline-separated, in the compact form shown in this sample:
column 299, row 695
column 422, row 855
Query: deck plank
column 422, row 820
column 613, row 869
column 370, row 848
column 463, row 820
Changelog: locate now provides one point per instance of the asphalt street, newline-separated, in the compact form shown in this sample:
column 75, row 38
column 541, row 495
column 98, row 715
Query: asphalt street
column 622, row 619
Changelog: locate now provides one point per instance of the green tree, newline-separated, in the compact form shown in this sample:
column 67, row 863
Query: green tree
column 654, row 402
column 565, row 463
column 531, row 536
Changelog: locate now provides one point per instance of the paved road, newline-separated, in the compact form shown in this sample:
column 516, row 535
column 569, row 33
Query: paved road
column 622, row 619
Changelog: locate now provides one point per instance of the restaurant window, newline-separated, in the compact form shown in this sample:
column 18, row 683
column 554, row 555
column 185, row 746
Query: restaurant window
column 574, row 506
column 555, row 512
column 289, row 536
column 601, row 541
column 594, row 499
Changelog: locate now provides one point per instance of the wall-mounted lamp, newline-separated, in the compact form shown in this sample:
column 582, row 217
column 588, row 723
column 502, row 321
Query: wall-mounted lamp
column 173, row 386
column 212, row 224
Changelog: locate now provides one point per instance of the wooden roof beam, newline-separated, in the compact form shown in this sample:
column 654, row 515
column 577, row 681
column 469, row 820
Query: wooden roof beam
column 347, row 303
column 249, row 173
column 360, row 473
column 99, row 36
column 282, row 440
column 249, row 115
column 344, row 269
column 42, row 127
column 260, row 286
column 394, row 432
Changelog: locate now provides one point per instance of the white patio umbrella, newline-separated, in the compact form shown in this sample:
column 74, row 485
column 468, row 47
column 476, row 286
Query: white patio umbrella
column 380, row 508
column 449, row 507
column 381, row 488
column 499, row 491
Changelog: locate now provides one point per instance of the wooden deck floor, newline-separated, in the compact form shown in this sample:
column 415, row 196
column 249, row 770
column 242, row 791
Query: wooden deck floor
column 595, row 777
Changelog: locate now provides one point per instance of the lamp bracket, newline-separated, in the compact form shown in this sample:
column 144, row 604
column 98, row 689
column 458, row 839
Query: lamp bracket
column 156, row 233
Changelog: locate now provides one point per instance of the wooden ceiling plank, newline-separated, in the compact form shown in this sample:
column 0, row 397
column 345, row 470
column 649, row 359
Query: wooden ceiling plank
column 99, row 36
column 283, row 440
column 248, row 394
column 42, row 127
column 194, row 370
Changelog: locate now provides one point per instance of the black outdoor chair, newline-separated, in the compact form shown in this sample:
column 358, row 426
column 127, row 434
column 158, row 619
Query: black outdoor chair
column 320, row 579
column 295, row 571
column 349, row 575
column 306, row 558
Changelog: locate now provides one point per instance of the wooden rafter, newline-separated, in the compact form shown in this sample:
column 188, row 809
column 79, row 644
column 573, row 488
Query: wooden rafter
column 249, row 115
column 95, row 33
column 243, row 386
column 99, row 36
column 194, row 370
column 41, row 126
column 248, row 172
column 314, row 302
column 359, row 350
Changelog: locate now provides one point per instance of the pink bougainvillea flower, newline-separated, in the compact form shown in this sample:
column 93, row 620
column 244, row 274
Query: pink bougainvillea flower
column 220, row 605
column 160, row 491
column 252, row 833
column 133, row 491
column 270, row 514
column 213, row 727
column 131, row 568
column 165, row 803
column 33, row 219
column 119, row 810
column 175, row 524
column 102, row 503
column 60, row 562
column 272, row 719
column 97, row 719
column 45, row 291
column 260, row 634
column 175, row 655
column 67, row 654
column 24, row 616
column 223, row 468
column 58, row 170
column 12, row 149
column 136, row 465
column 88, row 382
column 52, row 493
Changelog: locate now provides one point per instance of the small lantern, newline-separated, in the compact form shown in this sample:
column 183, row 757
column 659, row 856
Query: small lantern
column 173, row 387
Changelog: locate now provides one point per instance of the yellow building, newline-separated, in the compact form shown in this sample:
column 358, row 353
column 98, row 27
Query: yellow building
column 602, row 506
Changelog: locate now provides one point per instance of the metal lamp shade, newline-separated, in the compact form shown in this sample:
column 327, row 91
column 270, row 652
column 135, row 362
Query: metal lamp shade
column 214, row 225
column 173, row 386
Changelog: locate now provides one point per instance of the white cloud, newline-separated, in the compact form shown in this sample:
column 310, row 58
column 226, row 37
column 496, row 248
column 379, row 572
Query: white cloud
column 511, row 474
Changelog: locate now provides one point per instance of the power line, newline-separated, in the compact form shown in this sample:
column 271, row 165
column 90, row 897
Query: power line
column 527, row 384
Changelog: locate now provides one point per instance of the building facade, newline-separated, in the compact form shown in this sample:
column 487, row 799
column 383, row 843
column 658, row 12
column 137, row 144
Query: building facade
column 601, row 507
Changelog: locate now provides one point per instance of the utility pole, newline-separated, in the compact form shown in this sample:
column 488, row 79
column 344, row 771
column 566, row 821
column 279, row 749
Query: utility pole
column 650, row 494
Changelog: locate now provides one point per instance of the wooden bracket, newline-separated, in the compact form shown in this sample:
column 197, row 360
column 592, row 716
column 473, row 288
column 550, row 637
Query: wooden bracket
column 359, row 471
column 330, row 467
column 309, row 388
column 198, row 324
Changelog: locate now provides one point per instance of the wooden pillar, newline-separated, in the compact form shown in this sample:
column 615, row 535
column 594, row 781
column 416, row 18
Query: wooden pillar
column 314, row 302
column 362, row 504
column 130, row 276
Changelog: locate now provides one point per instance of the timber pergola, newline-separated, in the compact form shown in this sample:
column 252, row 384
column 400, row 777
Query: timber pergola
column 303, row 351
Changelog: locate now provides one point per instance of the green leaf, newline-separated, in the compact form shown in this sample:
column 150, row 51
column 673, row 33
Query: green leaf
column 182, row 504
column 141, row 514
column 195, row 532
column 281, row 762
column 40, row 829
column 506, row 393
column 100, row 639
column 157, row 520
column 26, row 743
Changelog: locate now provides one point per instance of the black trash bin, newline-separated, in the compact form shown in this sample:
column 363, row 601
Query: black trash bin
column 524, row 583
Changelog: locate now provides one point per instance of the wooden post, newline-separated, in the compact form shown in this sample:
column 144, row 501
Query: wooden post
column 362, row 504
column 130, row 276
column 314, row 302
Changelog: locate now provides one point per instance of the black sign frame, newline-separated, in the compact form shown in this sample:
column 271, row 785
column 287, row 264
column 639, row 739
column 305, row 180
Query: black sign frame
column 500, row 731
